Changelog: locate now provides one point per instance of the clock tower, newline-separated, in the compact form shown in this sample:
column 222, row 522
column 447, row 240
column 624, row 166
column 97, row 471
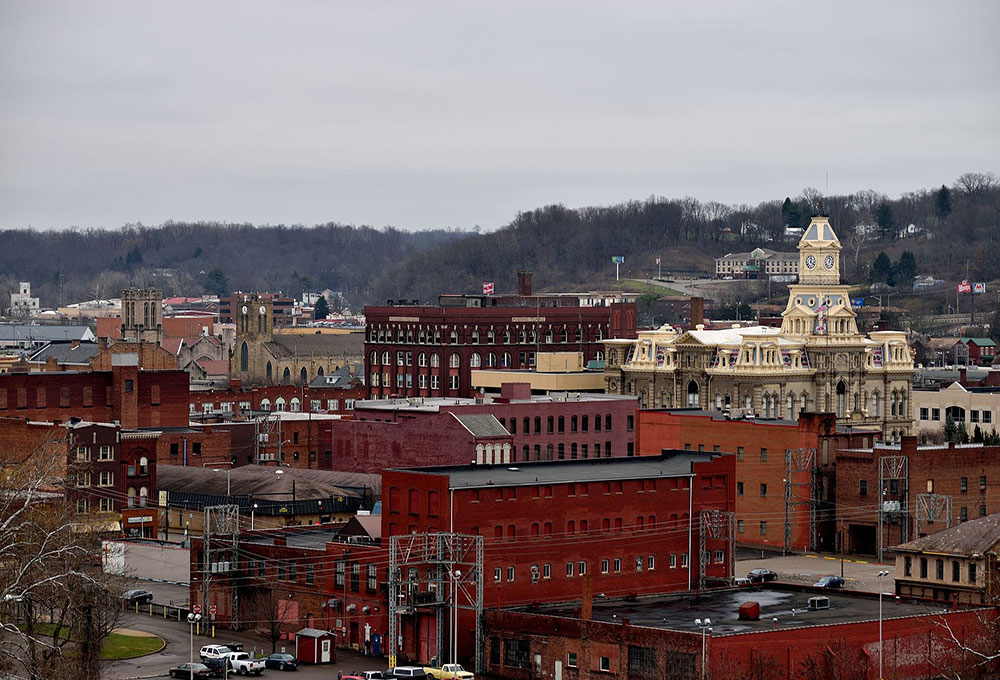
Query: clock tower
column 819, row 253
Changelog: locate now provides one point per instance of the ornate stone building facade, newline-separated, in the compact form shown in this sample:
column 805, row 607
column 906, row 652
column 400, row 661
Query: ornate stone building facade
column 262, row 357
column 817, row 360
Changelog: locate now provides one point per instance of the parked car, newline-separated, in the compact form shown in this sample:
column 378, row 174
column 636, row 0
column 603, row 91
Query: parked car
column 374, row 675
column 244, row 664
column 185, row 671
column 449, row 670
column 283, row 662
column 407, row 672
column 829, row 582
column 761, row 575
column 214, row 652
column 741, row 581
column 140, row 596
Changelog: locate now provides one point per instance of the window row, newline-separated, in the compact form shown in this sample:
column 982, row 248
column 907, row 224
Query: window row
column 84, row 506
column 939, row 570
column 558, row 424
column 105, row 453
column 957, row 414
column 523, row 336
column 608, row 565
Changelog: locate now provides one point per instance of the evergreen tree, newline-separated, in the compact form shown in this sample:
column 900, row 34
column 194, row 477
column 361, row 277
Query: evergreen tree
column 943, row 200
column 321, row 309
column 977, row 435
column 133, row 258
column 949, row 429
column 886, row 220
column 906, row 267
column 217, row 282
column 881, row 268
column 791, row 213
column 961, row 434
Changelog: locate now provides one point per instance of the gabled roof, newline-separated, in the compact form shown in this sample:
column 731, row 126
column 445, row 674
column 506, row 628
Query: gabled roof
column 214, row 367
column 979, row 342
column 66, row 353
column 967, row 538
column 314, row 633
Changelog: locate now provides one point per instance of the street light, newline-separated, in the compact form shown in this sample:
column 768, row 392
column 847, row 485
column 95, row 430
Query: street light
column 228, row 471
column 192, row 620
column 251, row 515
column 454, row 628
column 882, row 574
column 706, row 627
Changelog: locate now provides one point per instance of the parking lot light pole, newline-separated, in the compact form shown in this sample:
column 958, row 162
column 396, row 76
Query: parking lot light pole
column 192, row 619
column 705, row 625
column 882, row 574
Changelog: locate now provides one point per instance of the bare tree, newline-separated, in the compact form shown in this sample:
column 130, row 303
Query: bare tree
column 53, row 596
column 978, row 648
column 855, row 244
column 836, row 661
column 977, row 182
column 269, row 615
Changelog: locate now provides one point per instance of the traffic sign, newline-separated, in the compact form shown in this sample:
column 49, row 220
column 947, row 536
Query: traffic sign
column 196, row 609
column 212, row 609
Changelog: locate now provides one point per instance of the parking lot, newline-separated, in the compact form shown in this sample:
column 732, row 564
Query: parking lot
column 859, row 573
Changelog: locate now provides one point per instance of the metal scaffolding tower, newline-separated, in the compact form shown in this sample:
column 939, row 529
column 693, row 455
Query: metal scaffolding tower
column 439, row 572
column 800, row 474
column 894, row 491
column 221, row 537
column 717, row 526
column 931, row 507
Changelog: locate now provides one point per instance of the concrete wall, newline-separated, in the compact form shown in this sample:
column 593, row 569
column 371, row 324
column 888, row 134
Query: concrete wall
column 152, row 561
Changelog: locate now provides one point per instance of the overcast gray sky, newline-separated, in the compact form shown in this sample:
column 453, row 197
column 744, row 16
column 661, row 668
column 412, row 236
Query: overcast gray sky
column 437, row 114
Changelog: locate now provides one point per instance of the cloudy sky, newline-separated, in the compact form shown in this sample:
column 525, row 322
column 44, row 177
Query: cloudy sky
column 454, row 114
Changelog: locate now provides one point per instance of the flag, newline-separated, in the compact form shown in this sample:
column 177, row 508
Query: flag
column 488, row 288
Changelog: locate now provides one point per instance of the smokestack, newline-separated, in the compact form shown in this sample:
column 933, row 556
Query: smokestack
column 697, row 311
column 524, row 283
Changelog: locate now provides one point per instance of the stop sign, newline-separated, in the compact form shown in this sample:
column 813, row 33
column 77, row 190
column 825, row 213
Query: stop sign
column 212, row 609
column 196, row 609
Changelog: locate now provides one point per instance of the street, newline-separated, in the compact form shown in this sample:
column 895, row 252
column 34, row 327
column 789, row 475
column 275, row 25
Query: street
column 178, row 650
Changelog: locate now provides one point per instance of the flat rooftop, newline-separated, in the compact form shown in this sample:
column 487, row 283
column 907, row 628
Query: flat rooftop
column 789, row 607
column 310, row 539
column 669, row 464
column 434, row 404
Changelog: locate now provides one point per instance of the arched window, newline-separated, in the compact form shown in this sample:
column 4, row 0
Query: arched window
column 143, row 466
column 578, row 335
column 491, row 360
column 548, row 336
column 475, row 336
column 319, row 372
column 385, row 358
column 491, row 337
column 790, row 407
column 505, row 360
column 131, row 496
column 303, row 376
column 373, row 358
column 692, row 392
column 244, row 357
column 522, row 337
column 435, row 361
column 563, row 335
column 294, row 405
column 422, row 360
column 841, row 399
column 268, row 371
column 279, row 404
column 476, row 360
column 875, row 405
column 286, row 376
column 454, row 361
column 453, row 338
column 265, row 404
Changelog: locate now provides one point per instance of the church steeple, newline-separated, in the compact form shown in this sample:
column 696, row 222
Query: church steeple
column 819, row 253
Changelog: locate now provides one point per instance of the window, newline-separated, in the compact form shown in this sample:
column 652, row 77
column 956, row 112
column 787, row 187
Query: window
column 763, row 490
column 82, row 505
column 864, row 487
column 763, row 455
column 581, row 568
column 924, row 413
column 939, row 569
column 604, row 566
column 606, row 663
column 684, row 560
column 339, row 570
column 739, row 526
column 371, row 578
column 972, row 572
column 956, row 571
column 618, row 565
column 497, row 575
column 739, row 453
column 974, row 416
column 83, row 479
column 571, row 659
column 355, row 576
column 546, row 571
column 763, row 528
column 638, row 563
column 739, row 488
column 510, row 574
column 907, row 566
column 964, row 514
column 629, row 423
column 923, row 567
column 569, row 569
column 83, row 453
column 106, row 478
column 987, row 416
column 982, row 483
column 106, row 505
column 964, row 486
column 720, row 556
column 105, row 453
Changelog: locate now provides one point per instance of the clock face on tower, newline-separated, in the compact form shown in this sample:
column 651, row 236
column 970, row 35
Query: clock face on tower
column 828, row 262
column 811, row 261
column 261, row 310
column 244, row 309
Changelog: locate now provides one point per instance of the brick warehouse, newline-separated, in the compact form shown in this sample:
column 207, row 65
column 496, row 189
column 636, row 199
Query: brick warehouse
column 657, row 639
column 430, row 351
column 631, row 524
column 134, row 397
column 544, row 427
column 760, row 447
column 922, row 480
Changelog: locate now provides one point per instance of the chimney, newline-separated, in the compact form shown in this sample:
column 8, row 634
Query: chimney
column 587, row 599
column 524, row 283
column 697, row 311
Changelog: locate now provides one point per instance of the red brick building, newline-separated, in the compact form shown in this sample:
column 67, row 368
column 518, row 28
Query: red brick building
column 427, row 351
column 918, row 483
column 556, row 426
column 134, row 397
column 761, row 468
column 630, row 524
column 239, row 401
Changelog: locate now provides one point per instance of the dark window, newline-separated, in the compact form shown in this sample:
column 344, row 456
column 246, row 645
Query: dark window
column 516, row 653
column 965, row 484
column 939, row 570
column 972, row 572
column 549, row 424
column 562, row 424
column 982, row 483
column 642, row 662
column 739, row 488
column 864, row 487
column 923, row 567
column 763, row 490
column 494, row 651
column 630, row 424
column 129, row 385
column 907, row 566
column 956, row 571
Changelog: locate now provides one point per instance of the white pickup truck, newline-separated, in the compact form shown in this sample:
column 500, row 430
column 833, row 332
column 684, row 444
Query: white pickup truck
column 244, row 664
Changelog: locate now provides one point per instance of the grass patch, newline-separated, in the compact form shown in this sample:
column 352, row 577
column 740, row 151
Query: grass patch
column 646, row 288
column 117, row 646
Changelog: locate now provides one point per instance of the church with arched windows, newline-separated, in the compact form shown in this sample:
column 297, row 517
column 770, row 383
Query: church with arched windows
column 816, row 361
column 263, row 356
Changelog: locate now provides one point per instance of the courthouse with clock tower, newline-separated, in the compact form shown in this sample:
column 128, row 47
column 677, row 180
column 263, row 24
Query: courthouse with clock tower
column 816, row 361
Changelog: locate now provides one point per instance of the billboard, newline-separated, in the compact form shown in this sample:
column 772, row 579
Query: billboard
column 978, row 288
column 617, row 259
column 488, row 288
column 857, row 302
column 965, row 287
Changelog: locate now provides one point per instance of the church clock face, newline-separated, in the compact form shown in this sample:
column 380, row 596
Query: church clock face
column 828, row 262
column 244, row 309
column 261, row 310
column 811, row 262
